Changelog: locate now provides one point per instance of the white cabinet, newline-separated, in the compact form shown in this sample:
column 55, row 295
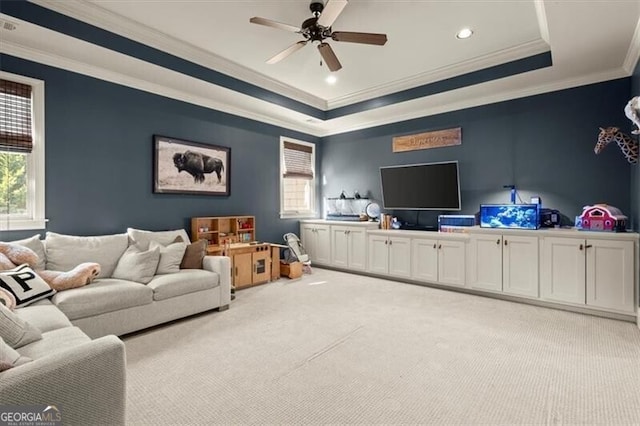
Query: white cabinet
column 562, row 270
column 438, row 261
column 390, row 255
column 316, row 242
column 504, row 263
column 520, row 265
column 610, row 279
column 591, row 272
column 349, row 247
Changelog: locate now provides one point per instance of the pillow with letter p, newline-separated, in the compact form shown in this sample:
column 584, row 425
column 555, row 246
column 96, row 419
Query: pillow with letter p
column 25, row 285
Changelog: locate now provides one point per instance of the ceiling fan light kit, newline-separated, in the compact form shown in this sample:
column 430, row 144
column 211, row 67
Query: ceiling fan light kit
column 318, row 29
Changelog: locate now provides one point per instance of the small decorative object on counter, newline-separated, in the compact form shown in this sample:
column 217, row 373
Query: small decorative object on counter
column 601, row 217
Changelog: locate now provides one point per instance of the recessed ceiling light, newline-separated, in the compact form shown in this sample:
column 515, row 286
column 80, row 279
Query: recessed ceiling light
column 464, row 33
column 331, row 79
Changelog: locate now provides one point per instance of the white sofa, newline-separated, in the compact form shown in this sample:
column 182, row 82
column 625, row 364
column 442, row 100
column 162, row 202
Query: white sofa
column 86, row 377
column 117, row 306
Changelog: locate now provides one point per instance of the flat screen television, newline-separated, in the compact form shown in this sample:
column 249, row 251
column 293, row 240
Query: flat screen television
column 428, row 186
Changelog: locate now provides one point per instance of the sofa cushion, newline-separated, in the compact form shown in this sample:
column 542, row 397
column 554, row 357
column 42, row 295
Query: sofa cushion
column 143, row 238
column 9, row 357
column 54, row 341
column 137, row 265
column 37, row 245
column 14, row 330
column 25, row 285
column 101, row 296
column 44, row 315
column 65, row 252
column 194, row 254
column 170, row 256
column 182, row 282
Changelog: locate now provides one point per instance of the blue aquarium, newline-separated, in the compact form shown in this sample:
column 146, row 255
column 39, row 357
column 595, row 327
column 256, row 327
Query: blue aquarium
column 514, row 216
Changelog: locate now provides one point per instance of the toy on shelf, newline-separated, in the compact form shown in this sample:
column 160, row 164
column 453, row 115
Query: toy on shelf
column 601, row 217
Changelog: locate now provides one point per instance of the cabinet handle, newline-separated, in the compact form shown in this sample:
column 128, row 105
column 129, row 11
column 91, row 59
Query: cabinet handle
column 236, row 271
column 348, row 232
column 588, row 246
column 581, row 247
column 434, row 246
column 498, row 241
column 439, row 246
column 386, row 242
column 506, row 243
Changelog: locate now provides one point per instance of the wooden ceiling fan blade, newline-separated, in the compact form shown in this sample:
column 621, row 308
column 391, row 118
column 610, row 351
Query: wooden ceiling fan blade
column 274, row 24
column 331, row 11
column 329, row 57
column 286, row 52
column 364, row 38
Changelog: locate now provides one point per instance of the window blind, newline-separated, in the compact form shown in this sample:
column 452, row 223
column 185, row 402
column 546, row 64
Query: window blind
column 15, row 117
column 297, row 161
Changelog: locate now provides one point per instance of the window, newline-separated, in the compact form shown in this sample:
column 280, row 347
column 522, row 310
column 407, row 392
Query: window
column 297, row 178
column 21, row 152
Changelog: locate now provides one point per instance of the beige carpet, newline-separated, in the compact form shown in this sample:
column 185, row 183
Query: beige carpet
column 339, row 348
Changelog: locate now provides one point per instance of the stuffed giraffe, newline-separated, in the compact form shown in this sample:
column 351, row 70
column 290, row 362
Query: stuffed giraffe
column 628, row 146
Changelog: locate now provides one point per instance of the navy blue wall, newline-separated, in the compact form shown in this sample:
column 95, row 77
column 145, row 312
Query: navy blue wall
column 542, row 144
column 99, row 158
column 635, row 171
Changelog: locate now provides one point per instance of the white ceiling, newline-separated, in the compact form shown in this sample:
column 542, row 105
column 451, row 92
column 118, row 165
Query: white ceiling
column 590, row 41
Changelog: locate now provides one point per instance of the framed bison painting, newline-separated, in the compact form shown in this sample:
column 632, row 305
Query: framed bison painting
column 184, row 167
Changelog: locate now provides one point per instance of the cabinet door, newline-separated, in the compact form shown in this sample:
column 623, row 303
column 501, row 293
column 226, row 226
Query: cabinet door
column 261, row 266
column 424, row 260
column 485, row 262
column 357, row 249
column 400, row 257
column 520, row 265
column 610, row 275
column 242, row 270
column 562, row 270
column 339, row 246
column 308, row 240
column 378, row 254
column 323, row 245
column 451, row 262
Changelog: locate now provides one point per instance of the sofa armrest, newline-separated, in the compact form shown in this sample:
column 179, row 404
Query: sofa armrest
column 87, row 383
column 221, row 265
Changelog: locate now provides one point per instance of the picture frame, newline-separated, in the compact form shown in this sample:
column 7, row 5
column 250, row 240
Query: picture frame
column 185, row 167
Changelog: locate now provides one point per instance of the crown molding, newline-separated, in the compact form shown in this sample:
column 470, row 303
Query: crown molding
column 148, row 85
column 514, row 53
column 95, row 15
column 394, row 113
column 633, row 53
column 543, row 25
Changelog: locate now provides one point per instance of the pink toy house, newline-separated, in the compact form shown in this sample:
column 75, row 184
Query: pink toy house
column 601, row 217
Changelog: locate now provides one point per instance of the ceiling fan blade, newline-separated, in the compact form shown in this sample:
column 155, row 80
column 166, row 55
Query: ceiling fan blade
column 329, row 57
column 286, row 52
column 364, row 38
column 331, row 12
column 274, row 24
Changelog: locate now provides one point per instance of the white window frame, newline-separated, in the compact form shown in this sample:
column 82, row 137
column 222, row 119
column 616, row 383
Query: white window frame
column 35, row 217
column 311, row 213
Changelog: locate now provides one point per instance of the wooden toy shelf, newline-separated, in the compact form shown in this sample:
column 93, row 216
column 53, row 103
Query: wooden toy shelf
column 219, row 230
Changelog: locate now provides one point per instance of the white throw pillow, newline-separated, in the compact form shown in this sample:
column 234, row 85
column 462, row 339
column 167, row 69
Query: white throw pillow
column 25, row 285
column 65, row 252
column 137, row 265
column 15, row 331
column 143, row 238
column 37, row 245
column 170, row 257
column 9, row 357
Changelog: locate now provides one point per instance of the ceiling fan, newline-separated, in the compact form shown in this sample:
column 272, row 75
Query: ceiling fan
column 318, row 28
